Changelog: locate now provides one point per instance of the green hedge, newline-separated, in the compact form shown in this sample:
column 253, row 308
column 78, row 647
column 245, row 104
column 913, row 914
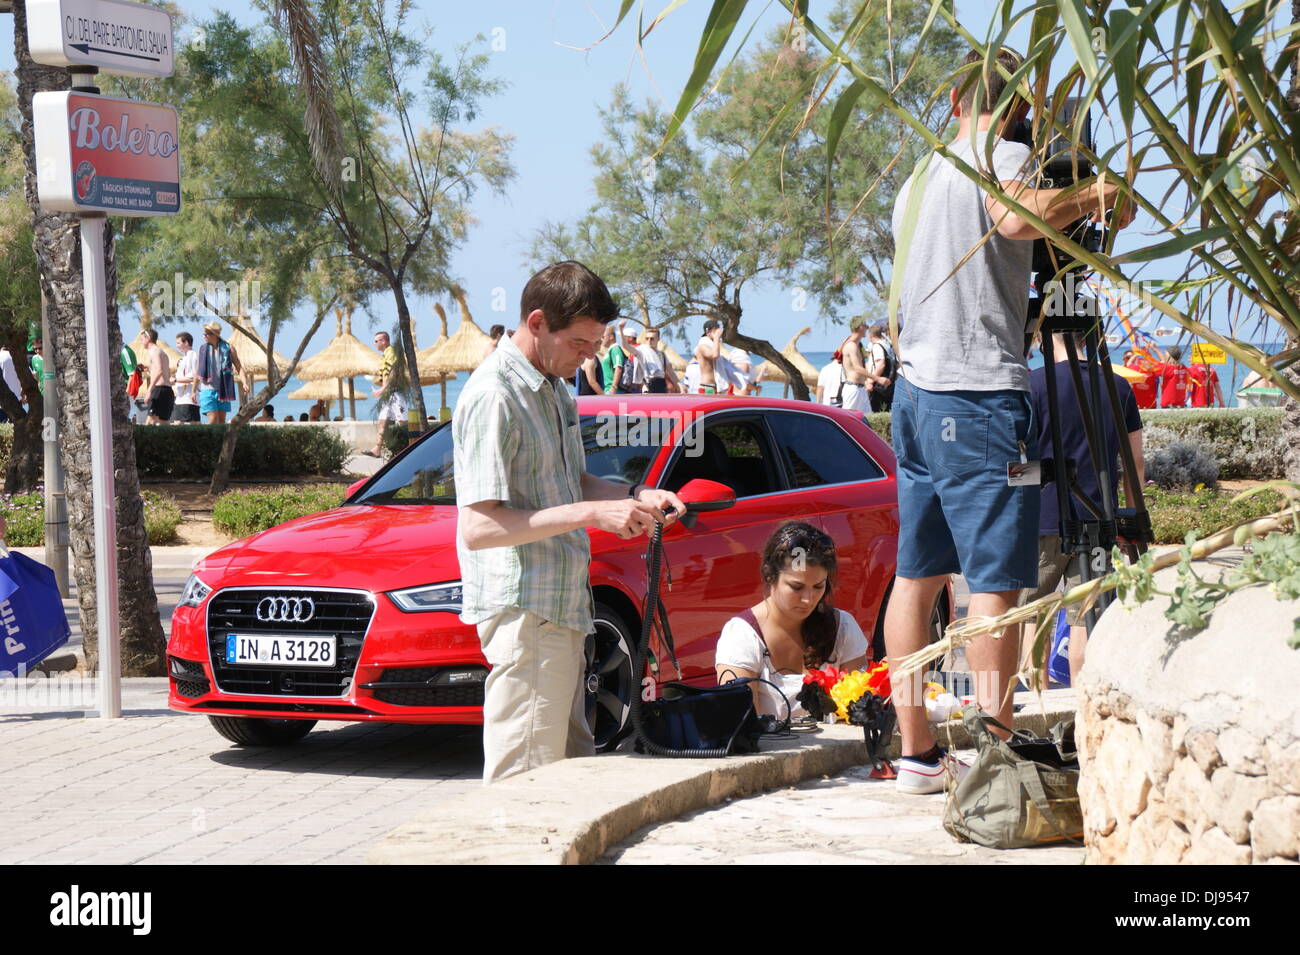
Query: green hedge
column 191, row 451
column 1247, row 442
column 246, row 512
column 24, row 516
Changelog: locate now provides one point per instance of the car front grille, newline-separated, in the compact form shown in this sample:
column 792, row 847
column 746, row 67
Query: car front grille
column 433, row 689
column 345, row 614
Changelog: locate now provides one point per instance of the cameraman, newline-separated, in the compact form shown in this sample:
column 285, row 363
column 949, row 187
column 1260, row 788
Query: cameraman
column 961, row 409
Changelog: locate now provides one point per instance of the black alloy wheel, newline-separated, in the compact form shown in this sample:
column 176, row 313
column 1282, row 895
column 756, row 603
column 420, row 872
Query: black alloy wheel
column 609, row 682
column 938, row 622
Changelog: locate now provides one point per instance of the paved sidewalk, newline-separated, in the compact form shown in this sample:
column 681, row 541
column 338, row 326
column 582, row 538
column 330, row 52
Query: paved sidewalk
column 847, row 819
column 162, row 787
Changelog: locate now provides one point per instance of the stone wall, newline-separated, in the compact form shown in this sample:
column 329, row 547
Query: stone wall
column 1190, row 743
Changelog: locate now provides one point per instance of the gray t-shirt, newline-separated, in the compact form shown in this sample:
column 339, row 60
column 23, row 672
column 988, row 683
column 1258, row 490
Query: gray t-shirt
column 965, row 332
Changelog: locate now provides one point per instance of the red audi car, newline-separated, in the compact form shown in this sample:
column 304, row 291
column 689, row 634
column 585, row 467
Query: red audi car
column 352, row 614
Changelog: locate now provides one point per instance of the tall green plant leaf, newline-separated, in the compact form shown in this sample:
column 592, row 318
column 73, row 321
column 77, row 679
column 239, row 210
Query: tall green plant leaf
column 723, row 17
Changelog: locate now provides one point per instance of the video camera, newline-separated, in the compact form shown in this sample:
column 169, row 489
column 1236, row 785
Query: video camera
column 1062, row 165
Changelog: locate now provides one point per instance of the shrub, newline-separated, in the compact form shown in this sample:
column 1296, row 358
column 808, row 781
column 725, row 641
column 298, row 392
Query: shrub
column 191, row 451
column 246, row 512
column 879, row 422
column 24, row 516
column 1182, row 465
column 1247, row 442
column 1174, row 513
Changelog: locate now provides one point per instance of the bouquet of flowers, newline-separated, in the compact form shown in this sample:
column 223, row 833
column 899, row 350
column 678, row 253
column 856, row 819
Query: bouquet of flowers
column 861, row 698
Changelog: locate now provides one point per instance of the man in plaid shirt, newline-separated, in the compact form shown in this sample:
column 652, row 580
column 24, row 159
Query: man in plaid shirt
column 525, row 500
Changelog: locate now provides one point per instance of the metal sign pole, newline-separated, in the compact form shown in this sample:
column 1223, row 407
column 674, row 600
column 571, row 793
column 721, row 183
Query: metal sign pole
column 101, row 459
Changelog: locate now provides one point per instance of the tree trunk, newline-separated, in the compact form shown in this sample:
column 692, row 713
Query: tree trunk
column 58, row 251
column 27, row 455
column 408, row 351
column 729, row 315
column 1291, row 407
column 247, row 409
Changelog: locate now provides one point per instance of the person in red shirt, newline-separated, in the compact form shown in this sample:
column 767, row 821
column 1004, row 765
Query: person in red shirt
column 1206, row 392
column 1175, row 378
column 1144, row 390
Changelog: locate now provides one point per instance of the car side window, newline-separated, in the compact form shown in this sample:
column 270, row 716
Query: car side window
column 819, row 451
column 735, row 453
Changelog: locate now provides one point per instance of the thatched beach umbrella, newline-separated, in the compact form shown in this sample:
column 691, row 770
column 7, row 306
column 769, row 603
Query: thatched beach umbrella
column 463, row 351
column 251, row 349
column 325, row 390
column 768, row 371
column 343, row 358
column 431, row 373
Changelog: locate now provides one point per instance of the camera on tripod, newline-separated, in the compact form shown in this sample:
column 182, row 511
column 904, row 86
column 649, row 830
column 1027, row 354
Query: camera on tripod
column 1061, row 304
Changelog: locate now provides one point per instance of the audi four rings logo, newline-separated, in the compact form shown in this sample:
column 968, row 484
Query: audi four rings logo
column 285, row 609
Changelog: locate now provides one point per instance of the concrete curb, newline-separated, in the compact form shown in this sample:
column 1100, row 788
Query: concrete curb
column 573, row 811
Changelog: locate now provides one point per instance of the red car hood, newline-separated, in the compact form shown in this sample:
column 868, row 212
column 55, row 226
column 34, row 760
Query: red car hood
column 365, row 546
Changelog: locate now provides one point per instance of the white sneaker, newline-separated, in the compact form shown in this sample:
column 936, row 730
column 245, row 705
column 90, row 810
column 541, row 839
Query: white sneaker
column 919, row 779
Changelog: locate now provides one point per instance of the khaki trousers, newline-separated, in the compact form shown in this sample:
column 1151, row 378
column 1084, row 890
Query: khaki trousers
column 534, row 708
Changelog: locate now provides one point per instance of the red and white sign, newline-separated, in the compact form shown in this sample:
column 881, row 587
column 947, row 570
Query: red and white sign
column 99, row 154
column 129, row 39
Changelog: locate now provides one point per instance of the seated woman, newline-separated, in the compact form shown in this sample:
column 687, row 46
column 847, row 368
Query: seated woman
column 796, row 627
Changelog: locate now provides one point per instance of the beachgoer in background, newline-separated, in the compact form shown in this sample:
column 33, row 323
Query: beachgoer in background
column 1175, row 379
column 856, row 395
column 829, row 382
column 656, row 369
column 161, row 396
column 186, row 410
column 882, row 369
column 1206, row 392
column 494, row 333
column 392, row 408
column 707, row 353
column 217, row 366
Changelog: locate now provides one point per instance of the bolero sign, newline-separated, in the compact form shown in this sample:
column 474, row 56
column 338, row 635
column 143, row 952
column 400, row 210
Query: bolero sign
column 99, row 154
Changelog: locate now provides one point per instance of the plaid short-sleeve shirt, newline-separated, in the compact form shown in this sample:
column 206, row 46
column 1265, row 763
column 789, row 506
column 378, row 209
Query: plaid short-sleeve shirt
column 517, row 440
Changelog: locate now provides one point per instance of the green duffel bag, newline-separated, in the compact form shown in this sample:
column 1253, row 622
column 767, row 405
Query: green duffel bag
column 1018, row 793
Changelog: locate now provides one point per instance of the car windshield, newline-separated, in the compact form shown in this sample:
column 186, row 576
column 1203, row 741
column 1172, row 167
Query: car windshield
column 618, row 448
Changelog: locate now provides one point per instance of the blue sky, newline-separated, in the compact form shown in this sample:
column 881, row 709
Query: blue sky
column 550, row 106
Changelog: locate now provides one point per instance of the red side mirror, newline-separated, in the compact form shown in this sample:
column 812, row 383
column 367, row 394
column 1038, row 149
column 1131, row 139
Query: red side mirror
column 701, row 494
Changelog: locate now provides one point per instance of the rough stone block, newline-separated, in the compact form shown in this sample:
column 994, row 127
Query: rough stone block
column 1189, row 796
column 1275, row 828
column 1284, row 766
column 1178, row 736
column 1171, row 841
column 1214, row 847
column 1157, row 747
column 1201, row 746
column 1235, row 799
column 1242, row 752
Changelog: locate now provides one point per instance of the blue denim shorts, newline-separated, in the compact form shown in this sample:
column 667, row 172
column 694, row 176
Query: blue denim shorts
column 956, row 513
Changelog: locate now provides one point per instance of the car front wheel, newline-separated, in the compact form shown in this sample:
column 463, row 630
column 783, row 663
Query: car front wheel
column 247, row 731
column 609, row 682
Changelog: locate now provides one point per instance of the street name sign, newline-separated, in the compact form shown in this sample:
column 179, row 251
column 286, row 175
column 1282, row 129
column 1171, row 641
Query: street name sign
column 128, row 39
column 100, row 154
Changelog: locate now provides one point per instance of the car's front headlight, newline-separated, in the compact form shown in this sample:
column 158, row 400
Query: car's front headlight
column 447, row 597
column 195, row 592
